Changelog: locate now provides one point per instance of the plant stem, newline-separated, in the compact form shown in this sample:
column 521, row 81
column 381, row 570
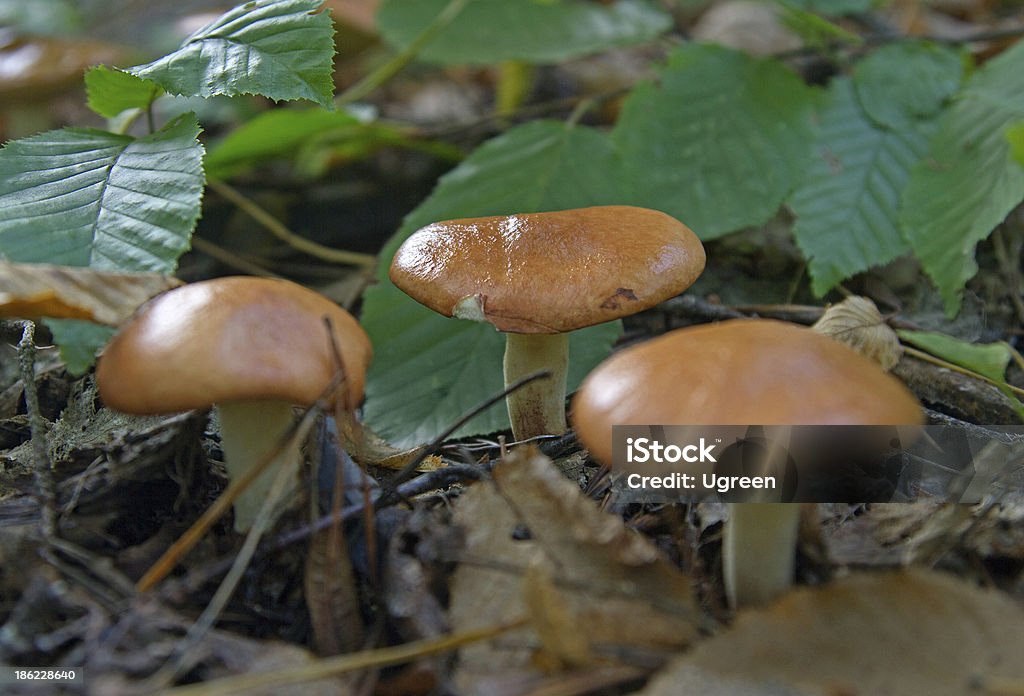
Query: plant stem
column 385, row 72
column 46, row 487
column 276, row 228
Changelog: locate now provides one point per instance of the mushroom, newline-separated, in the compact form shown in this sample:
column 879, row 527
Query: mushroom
column 741, row 372
column 252, row 346
column 539, row 276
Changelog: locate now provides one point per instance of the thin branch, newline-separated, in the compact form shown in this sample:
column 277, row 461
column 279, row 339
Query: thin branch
column 343, row 664
column 46, row 486
column 385, row 72
column 230, row 259
column 279, row 230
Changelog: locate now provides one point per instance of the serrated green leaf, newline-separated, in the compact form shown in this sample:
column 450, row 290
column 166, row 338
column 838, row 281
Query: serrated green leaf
column 848, row 205
column 902, row 83
column 988, row 359
column 427, row 369
column 969, row 181
column 79, row 342
column 278, row 49
column 83, row 197
column 490, row 31
column 111, row 91
column 719, row 142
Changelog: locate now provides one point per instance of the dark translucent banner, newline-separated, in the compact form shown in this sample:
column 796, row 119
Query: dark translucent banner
column 821, row 464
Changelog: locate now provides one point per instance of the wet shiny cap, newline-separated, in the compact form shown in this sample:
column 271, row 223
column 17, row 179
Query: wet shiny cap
column 231, row 339
column 738, row 372
column 549, row 272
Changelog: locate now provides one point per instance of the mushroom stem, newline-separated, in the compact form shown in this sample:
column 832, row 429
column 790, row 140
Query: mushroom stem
column 759, row 551
column 537, row 408
column 248, row 431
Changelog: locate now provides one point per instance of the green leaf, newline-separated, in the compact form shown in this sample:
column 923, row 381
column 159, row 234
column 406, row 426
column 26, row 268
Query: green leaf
column 902, row 83
column 273, row 133
column 83, row 197
column 848, row 205
column 427, row 369
column 40, row 17
column 969, row 181
column 815, row 31
column 112, row 91
column 275, row 48
column 490, row 31
column 308, row 136
column 1015, row 136
column 79, row 342
column 988, row 359
column 719, row 142
column 832, row 8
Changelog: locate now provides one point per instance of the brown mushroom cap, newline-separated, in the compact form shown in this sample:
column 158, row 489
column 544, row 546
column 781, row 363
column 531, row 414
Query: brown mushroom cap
column 744, row 371
column 550, row 272
column 231, row 339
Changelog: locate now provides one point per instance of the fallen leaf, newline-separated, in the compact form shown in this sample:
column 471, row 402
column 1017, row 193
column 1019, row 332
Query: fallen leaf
column 30, row 291
column 554, row 622
column 911, row 633
column 618, row 589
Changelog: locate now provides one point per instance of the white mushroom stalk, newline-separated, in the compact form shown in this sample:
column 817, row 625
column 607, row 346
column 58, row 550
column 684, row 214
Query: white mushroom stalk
column 537, row 408
column 249, row 432
column 759, row 551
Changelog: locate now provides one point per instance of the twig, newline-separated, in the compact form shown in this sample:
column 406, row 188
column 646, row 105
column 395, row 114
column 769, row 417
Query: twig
column 429, row 481
column 390, row 489
column 231, row 259
column 385, row 72
column 279, row 230
column 334, row 666
column 886, row 37
column 46, row 486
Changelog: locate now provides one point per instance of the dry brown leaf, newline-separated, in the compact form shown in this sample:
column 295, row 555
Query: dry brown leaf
column 33, row 69
column 857, row 322
column 30, row 291
column 331, row 595
column 910, row 633
column 371, row 449
column 618, row 588
column 753, row 27
column 559, row 631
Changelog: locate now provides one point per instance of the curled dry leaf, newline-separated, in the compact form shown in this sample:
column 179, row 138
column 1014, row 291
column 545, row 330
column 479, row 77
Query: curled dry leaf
column 617, row 588
column 910, row 633
column 30, row 291
column 857, row 322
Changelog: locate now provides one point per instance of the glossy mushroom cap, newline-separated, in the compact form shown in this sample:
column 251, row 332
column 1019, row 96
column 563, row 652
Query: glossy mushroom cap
column 227, row 340
column 549, row 273
column 744, row 371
